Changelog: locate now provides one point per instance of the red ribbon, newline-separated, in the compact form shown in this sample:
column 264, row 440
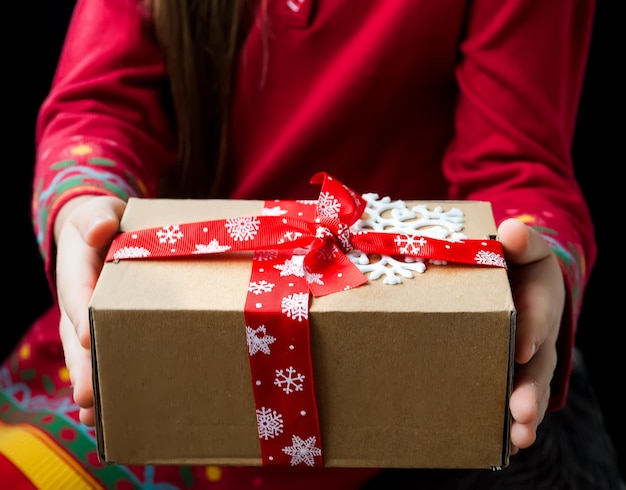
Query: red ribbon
column 300, row 248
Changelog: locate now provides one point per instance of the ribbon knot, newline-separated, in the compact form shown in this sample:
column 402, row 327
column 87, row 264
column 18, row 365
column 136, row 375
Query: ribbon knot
column 333, row 229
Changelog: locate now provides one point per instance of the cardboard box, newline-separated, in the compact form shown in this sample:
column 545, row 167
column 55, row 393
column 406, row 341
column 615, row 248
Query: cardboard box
column 410, row 375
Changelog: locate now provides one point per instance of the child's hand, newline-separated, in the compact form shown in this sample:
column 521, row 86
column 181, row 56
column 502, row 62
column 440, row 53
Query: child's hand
column 84, row 230
column 539, row 295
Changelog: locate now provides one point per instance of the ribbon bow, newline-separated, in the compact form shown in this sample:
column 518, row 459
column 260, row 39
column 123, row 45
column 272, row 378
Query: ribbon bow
column 327, row 236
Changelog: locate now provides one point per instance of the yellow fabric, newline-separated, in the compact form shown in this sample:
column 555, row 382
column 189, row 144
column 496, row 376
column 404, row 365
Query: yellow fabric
column 43, row 463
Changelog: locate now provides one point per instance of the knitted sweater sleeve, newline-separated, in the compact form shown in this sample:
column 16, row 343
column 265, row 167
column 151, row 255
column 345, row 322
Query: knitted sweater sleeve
column 102, row 129
column 520, row 75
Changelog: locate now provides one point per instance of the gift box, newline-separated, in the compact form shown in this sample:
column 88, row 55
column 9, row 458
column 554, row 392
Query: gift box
column 410, row 368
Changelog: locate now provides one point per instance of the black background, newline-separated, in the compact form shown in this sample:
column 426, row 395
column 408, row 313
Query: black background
column 30, row 56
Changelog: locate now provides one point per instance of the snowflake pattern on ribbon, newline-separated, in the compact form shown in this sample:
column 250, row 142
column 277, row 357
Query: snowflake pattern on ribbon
column 489, row 258
column 260, row 287
column 289, row 380
column 258, row 340
column 212, row 247
column 169, row 234
column 131, row 253
column 328, row 205
column 269, row 422
column 291, row 267
column 242, row 229
column 296, row 306
column 303, row 451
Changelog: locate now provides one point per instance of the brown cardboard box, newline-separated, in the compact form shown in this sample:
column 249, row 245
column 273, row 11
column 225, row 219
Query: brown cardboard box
column 411, row 375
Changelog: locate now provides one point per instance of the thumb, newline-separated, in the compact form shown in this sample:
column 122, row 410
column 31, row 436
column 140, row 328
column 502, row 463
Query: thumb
column 98, row 220
column 522, row 245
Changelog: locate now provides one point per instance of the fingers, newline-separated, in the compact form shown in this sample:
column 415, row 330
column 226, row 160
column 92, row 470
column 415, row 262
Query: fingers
column 522, row 244
column 531, row 394
column 83, row 230
column 78, row 267
column 538, row 287
column 87, row 416
column 78, row 362
column 539, row 296
column 82, row 243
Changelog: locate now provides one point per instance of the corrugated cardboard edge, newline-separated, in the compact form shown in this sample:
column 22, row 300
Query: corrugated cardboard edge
column 506, row 445
column 96, row 398
column 506, row 442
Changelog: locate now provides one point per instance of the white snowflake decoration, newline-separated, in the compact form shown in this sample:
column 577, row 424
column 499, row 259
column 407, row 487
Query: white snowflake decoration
column 169, row 234
column 290, row 236
column 302, row 451
column 296, row 306
column 292, row 267
column 490, row 258
column 394, row 216
column 260, row 287
column 275, row 211
column 328, row 206
column 411, row 225
column 269, row 423
column 313, row 277
column 210, row 248
column 289, row 380
column 258, row 340
column 390, row 269
column 410, row 244
column 243, row 229
column 131, row 253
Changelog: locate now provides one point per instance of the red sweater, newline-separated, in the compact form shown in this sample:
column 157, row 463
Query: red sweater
column 411, row 99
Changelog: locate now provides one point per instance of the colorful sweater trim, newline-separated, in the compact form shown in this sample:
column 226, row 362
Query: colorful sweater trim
column 88, row 166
